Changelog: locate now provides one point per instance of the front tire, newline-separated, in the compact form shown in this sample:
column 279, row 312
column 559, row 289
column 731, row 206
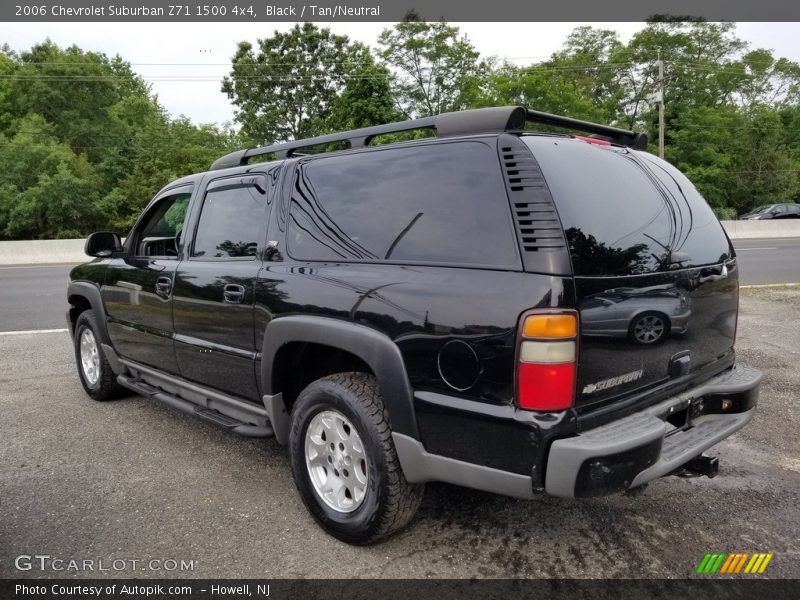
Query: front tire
column 344, row 461
column 95, row 372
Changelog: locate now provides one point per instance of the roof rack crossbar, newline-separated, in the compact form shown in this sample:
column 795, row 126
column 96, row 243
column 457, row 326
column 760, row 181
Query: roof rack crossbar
column 624, row 137
column 508, row 119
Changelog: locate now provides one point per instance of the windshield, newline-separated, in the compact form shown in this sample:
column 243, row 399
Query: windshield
column 761, row 209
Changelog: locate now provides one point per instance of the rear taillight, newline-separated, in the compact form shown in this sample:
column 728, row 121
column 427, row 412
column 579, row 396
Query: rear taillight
column 547, row 358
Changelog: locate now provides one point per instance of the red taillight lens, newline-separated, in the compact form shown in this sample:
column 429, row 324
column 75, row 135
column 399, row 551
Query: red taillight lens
column 547, row 355
column 545, row 387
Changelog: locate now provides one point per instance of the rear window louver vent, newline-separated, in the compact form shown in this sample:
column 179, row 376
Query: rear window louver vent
column 541, row 237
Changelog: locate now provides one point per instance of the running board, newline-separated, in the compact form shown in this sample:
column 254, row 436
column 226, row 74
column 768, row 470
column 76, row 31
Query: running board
column 207, row 414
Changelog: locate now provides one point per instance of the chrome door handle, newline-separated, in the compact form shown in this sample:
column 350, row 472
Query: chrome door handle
column 163, row 286
column 233, row 293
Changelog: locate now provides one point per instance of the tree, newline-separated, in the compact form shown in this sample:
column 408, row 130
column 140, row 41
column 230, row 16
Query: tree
column 723, row 127
column 286, row 89
column 367, row 96
column 46, row 191
column 540, row 89
column 84, row 145
column 74, row 91
column 435, row 69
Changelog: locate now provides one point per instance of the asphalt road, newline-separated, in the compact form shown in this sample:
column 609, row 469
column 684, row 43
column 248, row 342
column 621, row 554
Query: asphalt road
column 764, row 261
column 133, row 480
column 32, row 297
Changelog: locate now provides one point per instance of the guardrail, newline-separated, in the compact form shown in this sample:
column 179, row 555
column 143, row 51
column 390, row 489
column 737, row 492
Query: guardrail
column 36, row 252
column 33, row 252
column 769, row 228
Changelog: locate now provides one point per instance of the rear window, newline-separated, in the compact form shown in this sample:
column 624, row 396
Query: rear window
column 441, row 202
column 626, row 212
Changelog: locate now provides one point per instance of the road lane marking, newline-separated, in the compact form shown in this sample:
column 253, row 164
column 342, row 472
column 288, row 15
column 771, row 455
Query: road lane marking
column 43, row 266
column 770, row 285
column 33, row 331
column 743, row 249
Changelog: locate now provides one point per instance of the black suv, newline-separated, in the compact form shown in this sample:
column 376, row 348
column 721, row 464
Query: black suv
column 417, row 311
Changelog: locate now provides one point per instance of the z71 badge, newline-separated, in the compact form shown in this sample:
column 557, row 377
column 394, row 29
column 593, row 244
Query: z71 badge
column 613, row 382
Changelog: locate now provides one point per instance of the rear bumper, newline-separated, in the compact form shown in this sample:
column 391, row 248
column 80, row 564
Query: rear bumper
column 608, row 459
column 644, row 446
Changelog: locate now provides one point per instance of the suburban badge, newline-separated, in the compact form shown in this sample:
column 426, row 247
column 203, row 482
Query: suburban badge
column 612, row 382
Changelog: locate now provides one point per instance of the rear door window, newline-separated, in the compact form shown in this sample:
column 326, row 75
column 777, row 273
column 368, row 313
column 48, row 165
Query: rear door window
column 232, row 223
column 626, row 212
column 442, row 203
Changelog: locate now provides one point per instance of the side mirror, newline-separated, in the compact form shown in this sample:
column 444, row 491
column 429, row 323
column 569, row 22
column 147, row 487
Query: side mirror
column 103, row 244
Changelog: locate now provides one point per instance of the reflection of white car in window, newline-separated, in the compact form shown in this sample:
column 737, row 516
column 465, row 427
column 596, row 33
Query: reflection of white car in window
column 645, row 315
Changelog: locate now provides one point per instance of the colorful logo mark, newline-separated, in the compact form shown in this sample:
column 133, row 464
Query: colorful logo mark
column 731, row 564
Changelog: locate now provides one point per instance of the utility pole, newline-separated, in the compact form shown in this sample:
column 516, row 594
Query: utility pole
column 660, row 106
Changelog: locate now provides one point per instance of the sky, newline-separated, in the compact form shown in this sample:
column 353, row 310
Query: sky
column 185, row 62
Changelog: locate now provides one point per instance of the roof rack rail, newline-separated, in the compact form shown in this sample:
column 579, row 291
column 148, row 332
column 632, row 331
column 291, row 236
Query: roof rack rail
column 466, row 122
column 509, row 119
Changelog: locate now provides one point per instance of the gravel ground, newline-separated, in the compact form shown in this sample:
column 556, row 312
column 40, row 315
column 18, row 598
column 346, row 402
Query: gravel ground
column 133, row 480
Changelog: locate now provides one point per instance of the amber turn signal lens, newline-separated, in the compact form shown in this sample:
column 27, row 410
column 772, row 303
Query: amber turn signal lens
column 550, row 326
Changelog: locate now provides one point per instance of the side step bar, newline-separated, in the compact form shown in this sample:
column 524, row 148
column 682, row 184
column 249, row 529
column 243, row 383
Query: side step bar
column 207, row 414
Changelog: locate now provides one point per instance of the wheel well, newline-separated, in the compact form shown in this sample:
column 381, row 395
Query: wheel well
column 297, row 364
column 78, row 304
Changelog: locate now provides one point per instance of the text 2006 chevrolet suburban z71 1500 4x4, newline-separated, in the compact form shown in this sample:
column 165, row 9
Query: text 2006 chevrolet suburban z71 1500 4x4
column 518, row 312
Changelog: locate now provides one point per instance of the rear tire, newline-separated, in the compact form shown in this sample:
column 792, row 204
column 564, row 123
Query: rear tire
column 344, row 461
column 95, row 372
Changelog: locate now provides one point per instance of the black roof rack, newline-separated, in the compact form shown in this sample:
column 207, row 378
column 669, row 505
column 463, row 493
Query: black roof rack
column 623, row 137
column 508, row 119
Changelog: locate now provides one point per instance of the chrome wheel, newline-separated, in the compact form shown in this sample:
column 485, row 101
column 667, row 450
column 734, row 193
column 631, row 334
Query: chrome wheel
column 90, row 357
column 336, row 461
column 649, row 329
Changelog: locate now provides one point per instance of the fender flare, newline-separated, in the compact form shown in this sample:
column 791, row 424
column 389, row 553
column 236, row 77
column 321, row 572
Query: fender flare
column 91, row 292
column 376, row 349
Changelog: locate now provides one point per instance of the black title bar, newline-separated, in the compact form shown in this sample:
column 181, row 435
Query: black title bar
column 393, row 589
column 393, row 10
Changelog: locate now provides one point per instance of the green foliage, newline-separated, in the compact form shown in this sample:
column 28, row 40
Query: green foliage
column 435, row 68
column 286, row 89
column 367, row 96
column 732, row 114
column 84, row 145
column 45, row 187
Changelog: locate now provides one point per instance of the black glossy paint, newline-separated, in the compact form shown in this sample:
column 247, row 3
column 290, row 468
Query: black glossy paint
column 214, row 342
column 426, row 307
column 140, row 320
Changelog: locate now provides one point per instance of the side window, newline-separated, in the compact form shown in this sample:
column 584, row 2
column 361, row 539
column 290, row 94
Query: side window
column 159, row 235
column 233, row 223
column 433, row 203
